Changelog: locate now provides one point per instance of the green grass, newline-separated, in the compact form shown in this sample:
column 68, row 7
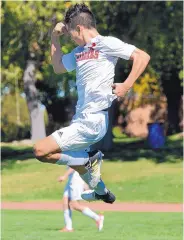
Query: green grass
column 140, row 181
column 133, row 172
column 39, row 225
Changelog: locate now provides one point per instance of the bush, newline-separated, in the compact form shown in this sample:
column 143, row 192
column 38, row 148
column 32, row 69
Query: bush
column 11, row 129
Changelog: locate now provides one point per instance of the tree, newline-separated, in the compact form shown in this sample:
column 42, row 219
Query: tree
column 10, row 129
column 26, row 30
column 34, row 106
column 149, row 25
column 157, row 28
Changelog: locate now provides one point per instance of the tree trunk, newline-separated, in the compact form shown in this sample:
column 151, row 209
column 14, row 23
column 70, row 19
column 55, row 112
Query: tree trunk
column 173, row 102
column 34, row 106
column 173, row 91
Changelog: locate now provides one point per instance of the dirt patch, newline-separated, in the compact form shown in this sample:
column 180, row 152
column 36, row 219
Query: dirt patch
column 117, row 207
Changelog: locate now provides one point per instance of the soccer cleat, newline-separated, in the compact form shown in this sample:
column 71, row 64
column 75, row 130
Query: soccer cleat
column 91, row 195
column 93, row 166
column 65, row 230
column 108, row 197
column 100, row 222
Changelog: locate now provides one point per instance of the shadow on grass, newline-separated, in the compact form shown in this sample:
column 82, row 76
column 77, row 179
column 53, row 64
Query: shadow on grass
column 15, row 152
column 124, row 149
column 138, row 150
column 11, row 154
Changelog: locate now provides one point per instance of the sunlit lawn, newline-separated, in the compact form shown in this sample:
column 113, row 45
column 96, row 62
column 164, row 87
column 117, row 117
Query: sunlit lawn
column 39, row 225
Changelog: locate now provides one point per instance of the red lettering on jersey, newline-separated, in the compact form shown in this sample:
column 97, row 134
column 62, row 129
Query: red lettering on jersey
column 96, row 54
column 86, row 55
column 91, row 54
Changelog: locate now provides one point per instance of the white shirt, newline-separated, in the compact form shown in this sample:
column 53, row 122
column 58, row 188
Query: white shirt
column 95, row 69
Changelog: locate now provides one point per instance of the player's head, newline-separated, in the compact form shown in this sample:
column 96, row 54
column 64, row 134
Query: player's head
column 78, row 19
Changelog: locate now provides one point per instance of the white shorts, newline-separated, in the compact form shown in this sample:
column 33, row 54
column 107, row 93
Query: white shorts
column 85, row 130
column 74, row 187
column 73, row 192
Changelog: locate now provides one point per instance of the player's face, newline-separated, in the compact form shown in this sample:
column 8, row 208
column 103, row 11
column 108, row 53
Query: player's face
column 76, row 35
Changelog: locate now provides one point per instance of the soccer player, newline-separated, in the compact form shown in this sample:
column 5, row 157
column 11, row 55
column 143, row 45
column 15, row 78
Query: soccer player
column 72, row 194
column 94, row 60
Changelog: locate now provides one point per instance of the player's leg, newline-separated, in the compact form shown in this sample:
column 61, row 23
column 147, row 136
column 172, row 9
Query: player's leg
column 47, row 150
column 93, row 179
column 58, row 147
column 90, row 172
column 77, row 187
column 99, row 192
column 84, row 131
column 67, row 211
column 44, row 151
column 78, row 135
column 99, row 219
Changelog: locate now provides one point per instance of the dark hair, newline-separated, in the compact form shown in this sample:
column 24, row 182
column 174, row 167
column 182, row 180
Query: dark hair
column 79, row 14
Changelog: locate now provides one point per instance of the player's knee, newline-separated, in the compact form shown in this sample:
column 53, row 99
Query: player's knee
column 73, row 205
column 65, row 206
column 39, row 153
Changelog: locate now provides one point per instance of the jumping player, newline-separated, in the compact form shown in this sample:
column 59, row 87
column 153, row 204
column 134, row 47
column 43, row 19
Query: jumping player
column 94, row 60
column 72, row 194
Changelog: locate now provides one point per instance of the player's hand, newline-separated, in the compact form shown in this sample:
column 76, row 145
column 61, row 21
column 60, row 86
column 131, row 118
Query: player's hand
column 120, row 89
column 61, row 179
column 59, row 29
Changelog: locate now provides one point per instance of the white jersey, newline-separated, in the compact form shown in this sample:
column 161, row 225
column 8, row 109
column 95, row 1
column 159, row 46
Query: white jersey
column 95, row 68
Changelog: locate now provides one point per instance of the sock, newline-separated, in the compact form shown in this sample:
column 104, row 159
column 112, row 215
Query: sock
column 68, row 218
column 73, row 158
column 85, row 177
column 88, row 212
column 100, row 188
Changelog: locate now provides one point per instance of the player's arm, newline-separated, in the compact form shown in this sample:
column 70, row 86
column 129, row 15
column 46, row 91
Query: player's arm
column 65, row 176
column 56, row 53
column 140, row 61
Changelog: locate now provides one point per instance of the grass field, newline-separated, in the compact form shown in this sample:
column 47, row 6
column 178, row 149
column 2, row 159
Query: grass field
column 39, row 225
column 140, row 181
column 133, row 171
